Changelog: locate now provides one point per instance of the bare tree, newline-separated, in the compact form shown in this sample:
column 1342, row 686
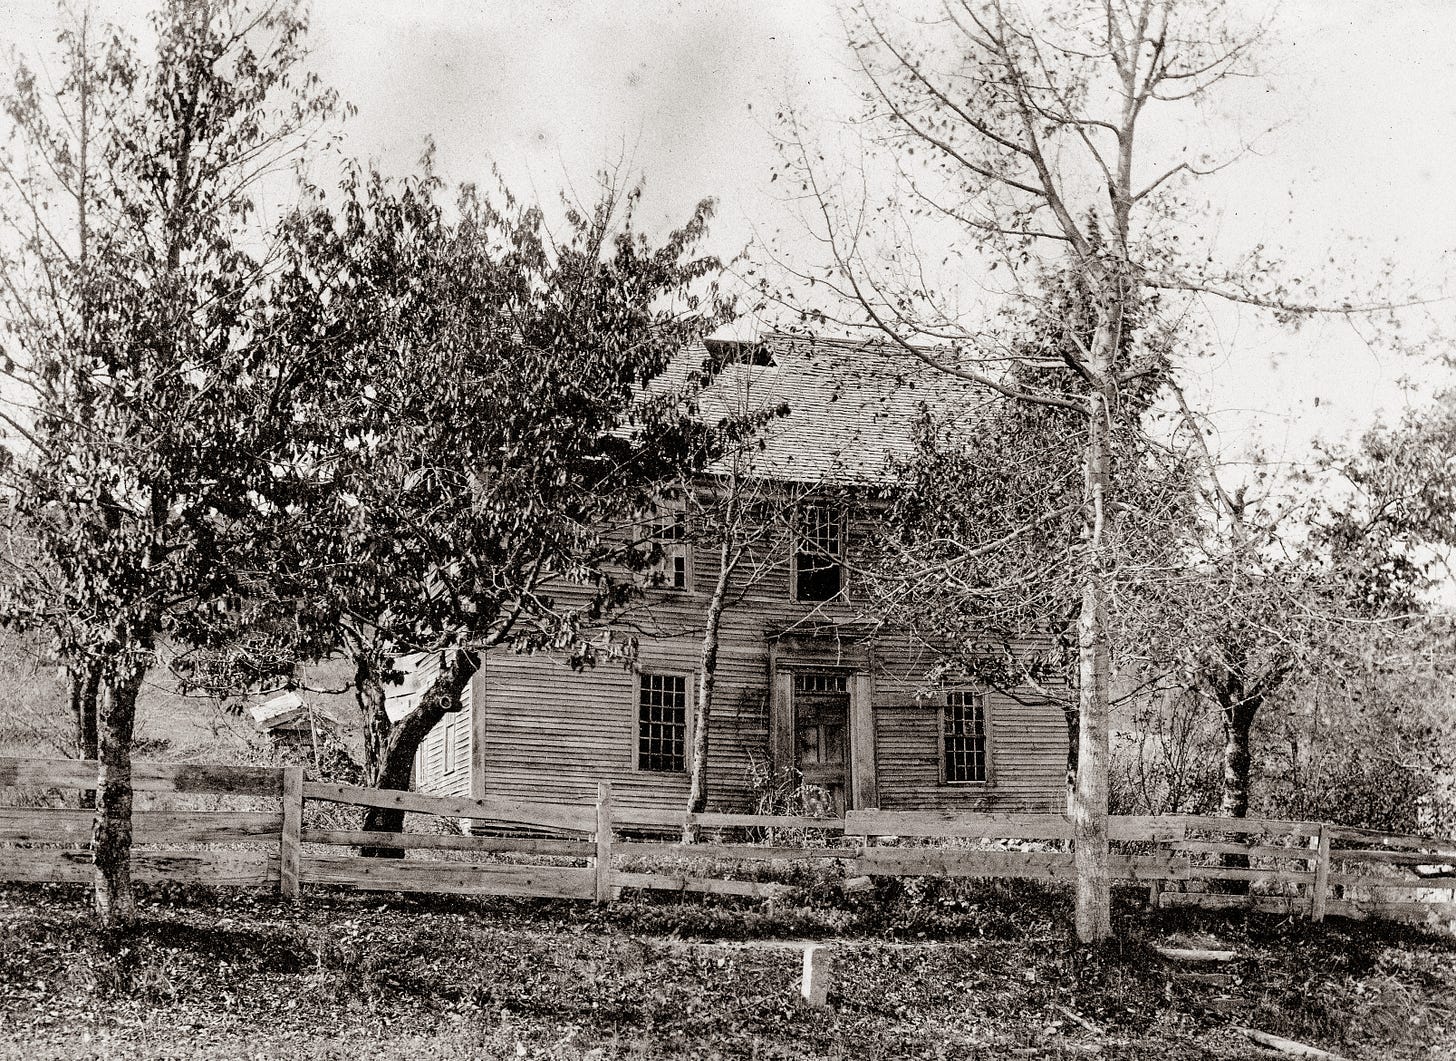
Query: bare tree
column 736, row 513
column 1018, row 135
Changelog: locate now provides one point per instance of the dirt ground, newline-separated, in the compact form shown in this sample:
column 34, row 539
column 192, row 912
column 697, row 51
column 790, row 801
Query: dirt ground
column 977, row 972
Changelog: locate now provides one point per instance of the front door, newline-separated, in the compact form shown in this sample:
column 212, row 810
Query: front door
column 821, row 738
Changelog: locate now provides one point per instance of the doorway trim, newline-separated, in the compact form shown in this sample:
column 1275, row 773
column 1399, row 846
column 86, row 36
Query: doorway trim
column 788, row 654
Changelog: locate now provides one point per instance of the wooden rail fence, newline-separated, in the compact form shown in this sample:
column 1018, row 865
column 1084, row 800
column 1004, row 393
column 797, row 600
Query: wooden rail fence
column 282, row 831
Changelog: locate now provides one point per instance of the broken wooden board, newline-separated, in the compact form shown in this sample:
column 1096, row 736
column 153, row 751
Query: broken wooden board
column 1195, row 954
column 1292, row 1047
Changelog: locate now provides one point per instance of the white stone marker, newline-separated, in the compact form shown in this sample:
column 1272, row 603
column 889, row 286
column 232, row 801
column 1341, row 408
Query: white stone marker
column 818, row 975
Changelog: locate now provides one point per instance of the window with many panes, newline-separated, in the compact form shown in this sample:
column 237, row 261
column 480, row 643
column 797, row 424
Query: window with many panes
column 662, row 722
column 674, row 569
column 964, row 738
column 818, row 554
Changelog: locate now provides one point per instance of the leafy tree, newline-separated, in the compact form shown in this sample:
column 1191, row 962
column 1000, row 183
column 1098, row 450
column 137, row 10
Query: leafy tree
column 1389, row 538
column 1237, row 604
column 1370, row 738
column 1281, row 599
column 132, row 318
column 479, row 439
column 1306, row 608
column 51, row 173
column 1379, row 709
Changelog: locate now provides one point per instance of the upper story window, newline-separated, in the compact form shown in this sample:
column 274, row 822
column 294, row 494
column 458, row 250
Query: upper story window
column 675, row 569
column 818, row 573
column 964, row 738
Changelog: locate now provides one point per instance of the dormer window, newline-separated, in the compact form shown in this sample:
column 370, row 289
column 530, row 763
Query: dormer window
column 818, row 573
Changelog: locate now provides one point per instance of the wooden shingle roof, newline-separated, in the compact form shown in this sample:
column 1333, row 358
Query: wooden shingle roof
column 849, row 407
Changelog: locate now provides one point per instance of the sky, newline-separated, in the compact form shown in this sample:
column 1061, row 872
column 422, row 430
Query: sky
column 1361, row 93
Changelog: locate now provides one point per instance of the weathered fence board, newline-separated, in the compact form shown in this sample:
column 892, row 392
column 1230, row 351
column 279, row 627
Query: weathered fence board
column 1374, row 839
column 961, row 825
column 56, row 825
column 1406, row 858
column 537, row 815
column 458, row 878
column 739, row 852
column 1323, row 868
column 1259, row 826
column 289, row 847
column 602, row 859
column 146, row 777
column 719, row 820
column 1407, row 879
column 953, row 824
column 483, row 845
column 649, row 817
column 1320, row 890
column 193, row 867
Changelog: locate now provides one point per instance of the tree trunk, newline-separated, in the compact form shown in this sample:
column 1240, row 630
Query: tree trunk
column 85, row 682
column 1238, row 723
column 1089, row 810
column 111, row 830
column 707, row 682
column 389, row 747
column 370, row 667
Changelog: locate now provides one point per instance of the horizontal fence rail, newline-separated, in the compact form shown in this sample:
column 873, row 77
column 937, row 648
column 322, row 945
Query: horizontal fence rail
column 284, row 832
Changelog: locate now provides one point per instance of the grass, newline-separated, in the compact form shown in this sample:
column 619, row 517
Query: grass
column 971, row 972
column 171, row 726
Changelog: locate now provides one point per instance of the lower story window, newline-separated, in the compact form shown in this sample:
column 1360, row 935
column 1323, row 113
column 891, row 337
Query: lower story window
column 451, row 750
column 662, row 722
column 964, row 739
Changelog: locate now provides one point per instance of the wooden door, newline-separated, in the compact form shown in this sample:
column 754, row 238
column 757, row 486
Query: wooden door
column 821, row 737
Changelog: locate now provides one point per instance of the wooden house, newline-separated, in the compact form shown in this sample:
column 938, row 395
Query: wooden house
column 814, row 698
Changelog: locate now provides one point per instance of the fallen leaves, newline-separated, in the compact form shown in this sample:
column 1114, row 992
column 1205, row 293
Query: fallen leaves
column 444, row 978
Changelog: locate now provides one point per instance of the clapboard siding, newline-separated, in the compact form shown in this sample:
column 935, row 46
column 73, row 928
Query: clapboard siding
column 430, row 773
column 549, row 732
column 1027, row 759
column 543, row 731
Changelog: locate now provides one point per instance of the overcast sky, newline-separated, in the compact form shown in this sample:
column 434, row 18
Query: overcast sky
column 683, row 90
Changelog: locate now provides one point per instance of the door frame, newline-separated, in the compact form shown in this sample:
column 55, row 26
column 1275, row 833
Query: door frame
column 789, row 654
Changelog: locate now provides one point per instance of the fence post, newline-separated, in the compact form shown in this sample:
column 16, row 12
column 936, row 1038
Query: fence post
column 1320, row 892
column 288, row 839
column 603, row 861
